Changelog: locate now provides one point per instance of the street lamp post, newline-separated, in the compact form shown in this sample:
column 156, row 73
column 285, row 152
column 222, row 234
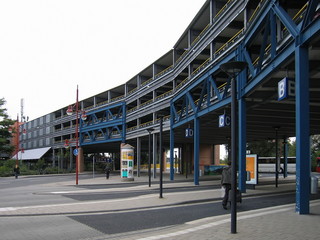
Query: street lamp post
column 69, row 113
column 232, row 69
column 149, row 155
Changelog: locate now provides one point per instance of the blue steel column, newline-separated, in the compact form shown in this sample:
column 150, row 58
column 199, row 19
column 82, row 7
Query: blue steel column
column 242, row 144
column 171, row 144
column 285, row 157
column 196, row 151
column 124, row 116
column 242, row 128
column 302, row 130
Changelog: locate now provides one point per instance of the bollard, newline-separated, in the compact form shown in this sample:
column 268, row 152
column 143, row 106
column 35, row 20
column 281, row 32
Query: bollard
column 314, row 185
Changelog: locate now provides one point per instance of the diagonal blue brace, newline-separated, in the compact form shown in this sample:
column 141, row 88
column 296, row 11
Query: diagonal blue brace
column 286, row 20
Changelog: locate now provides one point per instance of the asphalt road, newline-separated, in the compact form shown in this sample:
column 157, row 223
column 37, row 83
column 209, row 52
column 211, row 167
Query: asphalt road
column 35, row 191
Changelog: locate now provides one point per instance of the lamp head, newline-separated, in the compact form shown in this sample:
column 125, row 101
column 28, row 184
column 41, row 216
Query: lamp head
column 69, row 111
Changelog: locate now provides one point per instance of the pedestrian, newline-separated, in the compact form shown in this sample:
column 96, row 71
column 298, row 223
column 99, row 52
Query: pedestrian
column 107, row 170
column 16, row 171
column 226, row 184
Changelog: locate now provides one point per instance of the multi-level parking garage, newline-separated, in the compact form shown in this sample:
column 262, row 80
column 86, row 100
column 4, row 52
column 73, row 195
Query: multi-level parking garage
column 186, row 87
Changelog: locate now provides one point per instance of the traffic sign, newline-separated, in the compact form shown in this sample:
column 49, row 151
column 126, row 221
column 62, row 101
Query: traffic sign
column 75, row 152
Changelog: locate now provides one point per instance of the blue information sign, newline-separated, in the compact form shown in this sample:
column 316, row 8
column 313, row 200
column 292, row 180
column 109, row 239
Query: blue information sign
column 75, row 152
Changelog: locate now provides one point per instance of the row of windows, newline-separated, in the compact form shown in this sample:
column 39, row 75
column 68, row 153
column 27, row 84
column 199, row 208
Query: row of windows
column 38, row 122
column 37, row 143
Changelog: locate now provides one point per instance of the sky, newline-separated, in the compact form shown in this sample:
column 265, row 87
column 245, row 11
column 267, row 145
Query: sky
column 47, row 48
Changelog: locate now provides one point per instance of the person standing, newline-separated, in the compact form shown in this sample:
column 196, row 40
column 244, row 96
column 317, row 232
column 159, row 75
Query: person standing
column 107, row 170
column 226, row 184
column 16, row 171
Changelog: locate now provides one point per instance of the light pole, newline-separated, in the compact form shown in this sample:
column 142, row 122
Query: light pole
column 149, row 155
column 232, row 69
column 69, row 113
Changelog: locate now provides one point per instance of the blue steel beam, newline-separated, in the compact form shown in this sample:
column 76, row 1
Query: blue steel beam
column 215, row 88
column 171, row 143
column 204, row 91
column 124, row 125
column 286, row 20
column 256, row 27
column 196, row 82
column 191, row 103
column 249, row 62
column 264, row 44
column 311, row 9
column 273, row 35
column 302, row 130
column 307, row 34
column 196, row 149
column 171, row 154
column 271, row 67
column 242, row 126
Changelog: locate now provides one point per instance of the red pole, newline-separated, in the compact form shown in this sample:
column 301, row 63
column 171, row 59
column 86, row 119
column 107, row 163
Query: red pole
column 18, row 140
column 77, row 143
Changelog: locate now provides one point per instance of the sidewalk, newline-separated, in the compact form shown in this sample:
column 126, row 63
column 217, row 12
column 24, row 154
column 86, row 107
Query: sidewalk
column 279, row 222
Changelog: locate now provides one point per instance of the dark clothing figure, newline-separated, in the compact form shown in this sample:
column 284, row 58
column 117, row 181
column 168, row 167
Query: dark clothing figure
column 16, row 171
column 226, row 183
column 107, row 170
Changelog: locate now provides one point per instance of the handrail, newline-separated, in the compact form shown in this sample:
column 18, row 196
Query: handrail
column 182, row 55
column 132, row 91
column 200, row 34
column 163, row 94
column 255, row 11
column 230, row 40
column 116, row 98
column 146, row 103
column 182, row 83
column 200, row 67
column 222, row 9
column 146, row 82
column 163, row 71
column 298, row 14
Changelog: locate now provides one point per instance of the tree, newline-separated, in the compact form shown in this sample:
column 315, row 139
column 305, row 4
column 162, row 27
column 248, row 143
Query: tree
column 5, row 123
column 315, row 150
column 264, row 148
column 267, row 148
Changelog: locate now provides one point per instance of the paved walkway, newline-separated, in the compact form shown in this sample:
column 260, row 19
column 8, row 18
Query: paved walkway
column 279, row 222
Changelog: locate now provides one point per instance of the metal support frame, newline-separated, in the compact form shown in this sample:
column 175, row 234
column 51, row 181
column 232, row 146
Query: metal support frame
column 242, row 142
column 196, row 150
column 285, row 157
column 105, row 126
column 276, row 167
column 171, row 154
column 161, row 156
column 302, row 130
